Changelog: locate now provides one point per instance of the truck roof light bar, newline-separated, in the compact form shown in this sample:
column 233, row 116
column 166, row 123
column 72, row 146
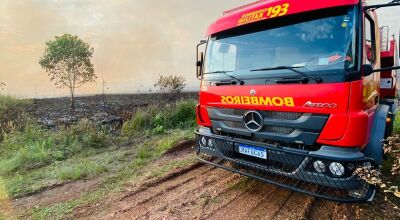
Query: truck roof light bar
column 390, row 4
column 244, row 6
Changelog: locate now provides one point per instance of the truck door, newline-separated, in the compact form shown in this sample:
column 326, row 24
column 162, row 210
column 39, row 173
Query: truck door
column 371, row 55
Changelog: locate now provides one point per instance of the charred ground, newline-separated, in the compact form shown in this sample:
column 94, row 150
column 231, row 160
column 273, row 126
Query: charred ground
column 151, row 174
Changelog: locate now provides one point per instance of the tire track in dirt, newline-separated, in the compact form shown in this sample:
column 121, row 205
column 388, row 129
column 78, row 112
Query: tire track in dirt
column 204, row 192
column 148, row 193
column 192, row 205
column 270, row 205
column 155, row 182
column 296, row 207
column 208, row 193
column 335, row 211
column 245, row 203
column 176, row 192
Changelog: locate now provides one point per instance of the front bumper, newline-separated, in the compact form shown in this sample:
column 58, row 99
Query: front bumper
column 291, row 168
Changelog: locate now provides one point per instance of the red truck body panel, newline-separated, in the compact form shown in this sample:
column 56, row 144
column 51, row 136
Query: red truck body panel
column 347, row 126
column 259, row 12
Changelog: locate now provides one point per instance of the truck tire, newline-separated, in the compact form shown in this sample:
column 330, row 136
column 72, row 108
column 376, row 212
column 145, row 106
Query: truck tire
column 374, row 148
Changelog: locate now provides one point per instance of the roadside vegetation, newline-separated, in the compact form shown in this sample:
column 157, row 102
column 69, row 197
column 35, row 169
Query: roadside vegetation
column 12, row 114
column 123, row 172
column 33, row 158
column 158, row 120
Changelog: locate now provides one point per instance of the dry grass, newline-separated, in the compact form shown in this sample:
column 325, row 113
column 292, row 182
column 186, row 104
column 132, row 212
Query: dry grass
column 5, row 205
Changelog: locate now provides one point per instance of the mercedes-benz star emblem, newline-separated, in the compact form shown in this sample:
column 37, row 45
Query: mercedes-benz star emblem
column 253, row 121
column 253, row 92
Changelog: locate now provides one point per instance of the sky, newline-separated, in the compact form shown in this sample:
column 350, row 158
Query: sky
column 134, row 40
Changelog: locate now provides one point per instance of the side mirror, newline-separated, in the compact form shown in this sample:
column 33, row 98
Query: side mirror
column 199, row 60
column 367, row 69
column 199, row 66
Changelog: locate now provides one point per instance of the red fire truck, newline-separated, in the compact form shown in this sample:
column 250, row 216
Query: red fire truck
column 298, row 94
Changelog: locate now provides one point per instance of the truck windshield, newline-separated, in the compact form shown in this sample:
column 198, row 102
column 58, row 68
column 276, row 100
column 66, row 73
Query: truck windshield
column 318, row 45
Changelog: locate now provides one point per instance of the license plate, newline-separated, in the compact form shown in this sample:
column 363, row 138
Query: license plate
column 253, row 151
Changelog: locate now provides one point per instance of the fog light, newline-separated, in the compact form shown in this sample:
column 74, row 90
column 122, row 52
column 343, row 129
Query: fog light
column 336, row 169
column 203, row 141
column 210, row 142
column 319, row 166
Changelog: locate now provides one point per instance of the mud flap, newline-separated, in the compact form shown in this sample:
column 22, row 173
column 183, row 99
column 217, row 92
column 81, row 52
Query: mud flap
column 374, row 148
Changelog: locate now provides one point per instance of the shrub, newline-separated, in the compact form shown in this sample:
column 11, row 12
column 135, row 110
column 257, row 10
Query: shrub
column 184, row 115
column 136, row 124
column 26, row 150
column 158, row 120
column 12, row 114
column 88, row 135
column 15, row 140
column 170, row 83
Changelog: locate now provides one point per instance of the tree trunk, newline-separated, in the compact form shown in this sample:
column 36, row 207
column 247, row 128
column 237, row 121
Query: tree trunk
column 72, row 99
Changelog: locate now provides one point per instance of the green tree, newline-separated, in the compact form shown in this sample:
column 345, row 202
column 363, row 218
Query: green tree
column 67, row 60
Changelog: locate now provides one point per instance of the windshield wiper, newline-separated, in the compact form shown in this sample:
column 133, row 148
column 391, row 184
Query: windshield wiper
column 316, row 79
column 241, row 82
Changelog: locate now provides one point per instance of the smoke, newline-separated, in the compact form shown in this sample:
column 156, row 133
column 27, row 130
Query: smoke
column 134, row 40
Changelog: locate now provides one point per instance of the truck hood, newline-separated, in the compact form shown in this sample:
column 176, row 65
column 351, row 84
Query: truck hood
column 329, row 98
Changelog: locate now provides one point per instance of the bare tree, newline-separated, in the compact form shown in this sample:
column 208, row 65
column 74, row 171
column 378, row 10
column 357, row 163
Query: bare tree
column 170, row 83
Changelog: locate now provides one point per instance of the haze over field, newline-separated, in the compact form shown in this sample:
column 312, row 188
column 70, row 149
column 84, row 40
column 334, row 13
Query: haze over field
column 134, row 40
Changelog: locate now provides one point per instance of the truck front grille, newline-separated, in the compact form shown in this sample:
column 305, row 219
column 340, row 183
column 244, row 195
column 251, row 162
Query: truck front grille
column 288, row 127
column 267, row 114
column 266, row 128
column 278, row 130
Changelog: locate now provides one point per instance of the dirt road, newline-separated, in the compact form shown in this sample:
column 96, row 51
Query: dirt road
column 198, row 191
column 203, row 192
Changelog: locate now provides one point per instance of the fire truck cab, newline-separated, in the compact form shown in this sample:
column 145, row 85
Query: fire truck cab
column 298, row 94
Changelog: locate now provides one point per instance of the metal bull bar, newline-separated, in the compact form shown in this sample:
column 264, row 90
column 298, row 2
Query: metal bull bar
column 311, row 173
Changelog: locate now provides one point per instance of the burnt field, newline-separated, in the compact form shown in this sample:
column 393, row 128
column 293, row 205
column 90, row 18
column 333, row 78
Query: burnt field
column 103, row 109
column 132, row 157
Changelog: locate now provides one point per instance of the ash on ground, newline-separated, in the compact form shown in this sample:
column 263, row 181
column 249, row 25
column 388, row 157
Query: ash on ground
column 108, row 111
